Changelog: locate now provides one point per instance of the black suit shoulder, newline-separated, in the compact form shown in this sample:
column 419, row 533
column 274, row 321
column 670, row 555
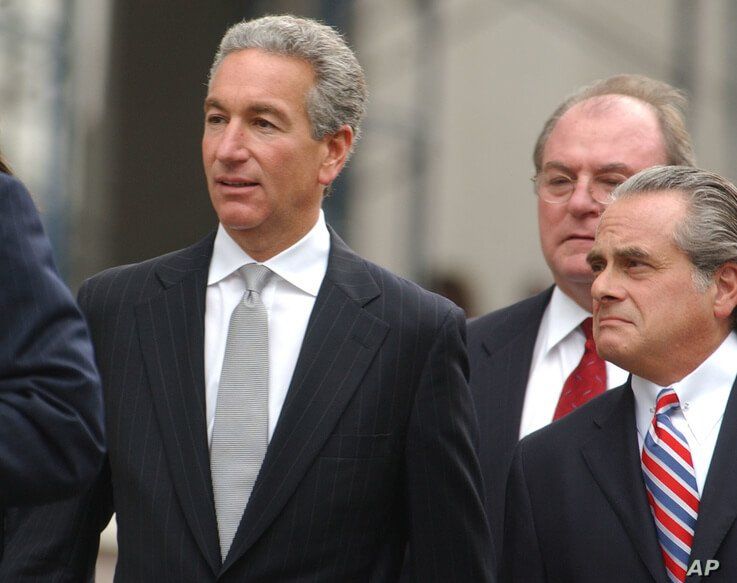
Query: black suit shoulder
column 562, row 438
column 395, row 300
column 136, row 282
column 396, row 286
column 497, row 326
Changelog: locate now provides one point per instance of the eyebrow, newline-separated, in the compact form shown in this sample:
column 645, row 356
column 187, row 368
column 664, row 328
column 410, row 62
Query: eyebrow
column 212, row 102
column 628, row 252
column 613, row 167
column 255, row 109
column 593, row 256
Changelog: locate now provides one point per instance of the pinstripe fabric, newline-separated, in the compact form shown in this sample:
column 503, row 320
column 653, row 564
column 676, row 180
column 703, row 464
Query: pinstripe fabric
column 669, row 476
column 241, row 428
column 373, row 448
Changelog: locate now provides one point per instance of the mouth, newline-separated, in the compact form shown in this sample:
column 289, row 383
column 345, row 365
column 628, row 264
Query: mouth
column 589, row 238
column 236, row 183
column 611, row 321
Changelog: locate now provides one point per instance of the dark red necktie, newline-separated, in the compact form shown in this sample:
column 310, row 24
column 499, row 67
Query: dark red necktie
column 587, row 380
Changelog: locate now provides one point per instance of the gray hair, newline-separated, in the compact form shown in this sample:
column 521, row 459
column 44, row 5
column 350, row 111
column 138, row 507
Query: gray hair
column 708, row 236
column 339, row 95
column 668, row 102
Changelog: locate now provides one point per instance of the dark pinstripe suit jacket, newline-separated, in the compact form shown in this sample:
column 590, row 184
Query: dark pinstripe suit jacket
column 51, row 442
column 500, row 347
column 374, row 446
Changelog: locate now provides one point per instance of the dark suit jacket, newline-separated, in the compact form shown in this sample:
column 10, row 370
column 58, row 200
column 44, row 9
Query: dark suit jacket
column 51, row 443
column 374, row 446
column 577, row 508
column 500, row 347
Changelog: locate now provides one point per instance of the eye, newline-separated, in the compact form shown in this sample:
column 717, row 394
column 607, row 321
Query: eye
column 215, row 119
column 264, row 124
column 611, row 180
column 636, row 265
column 558, row 181
column 597, row 266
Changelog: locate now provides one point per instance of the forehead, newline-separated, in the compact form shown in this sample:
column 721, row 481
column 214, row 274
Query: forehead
column 606, row 130
column 647, row 221
column 253, row 73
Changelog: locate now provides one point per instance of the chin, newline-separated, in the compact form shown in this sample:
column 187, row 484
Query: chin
column 611, row 350
column 241, row 220
column 240, row 225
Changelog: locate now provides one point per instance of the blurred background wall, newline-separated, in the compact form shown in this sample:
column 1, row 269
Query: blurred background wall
column 101, row 114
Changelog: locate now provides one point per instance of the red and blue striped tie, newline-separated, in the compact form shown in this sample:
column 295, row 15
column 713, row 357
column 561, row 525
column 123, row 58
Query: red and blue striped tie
column 671, row 486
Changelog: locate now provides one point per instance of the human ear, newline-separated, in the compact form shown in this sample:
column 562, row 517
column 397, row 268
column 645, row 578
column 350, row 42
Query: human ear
column 725, row 299
column 338, row 147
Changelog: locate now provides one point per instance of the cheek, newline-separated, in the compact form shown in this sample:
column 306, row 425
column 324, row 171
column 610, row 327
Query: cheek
column 549, row 219
column 208, row 153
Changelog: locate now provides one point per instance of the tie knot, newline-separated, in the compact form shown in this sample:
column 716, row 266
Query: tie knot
column 666, row 402
column 255, row 276
column 588, row 329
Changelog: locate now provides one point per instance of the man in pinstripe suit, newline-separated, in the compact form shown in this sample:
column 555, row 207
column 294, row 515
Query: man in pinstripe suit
column 370, row 421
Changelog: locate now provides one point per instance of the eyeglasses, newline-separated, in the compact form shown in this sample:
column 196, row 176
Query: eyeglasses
column 557, row 188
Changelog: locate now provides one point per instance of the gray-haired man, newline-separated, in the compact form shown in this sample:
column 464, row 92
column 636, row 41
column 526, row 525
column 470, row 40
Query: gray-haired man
column 278, row 408
column 534, row 361
column 638, row 485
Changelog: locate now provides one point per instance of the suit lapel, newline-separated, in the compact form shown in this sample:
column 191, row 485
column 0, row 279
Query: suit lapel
column 612, row 456
column 509, row 367
column 172, row 341
column 718, row 506
column 340, row 342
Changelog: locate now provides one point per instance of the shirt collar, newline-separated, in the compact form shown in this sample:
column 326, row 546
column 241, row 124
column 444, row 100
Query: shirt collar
column 303, row 264
column 563, row 317
column 703, row 393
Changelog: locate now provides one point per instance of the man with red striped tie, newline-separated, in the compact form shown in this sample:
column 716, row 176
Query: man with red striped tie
column 641, row 483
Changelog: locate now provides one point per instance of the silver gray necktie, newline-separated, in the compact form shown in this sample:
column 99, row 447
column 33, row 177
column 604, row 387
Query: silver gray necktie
column 240, row 432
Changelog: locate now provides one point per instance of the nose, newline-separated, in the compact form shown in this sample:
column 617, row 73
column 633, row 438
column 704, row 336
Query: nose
column 605, row 289
column 582, row 202
column 233, row 144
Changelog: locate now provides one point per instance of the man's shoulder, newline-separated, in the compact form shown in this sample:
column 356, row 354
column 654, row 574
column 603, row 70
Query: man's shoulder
column 145, row 277
column 15, row 200
column 558, row 439
column 396, row 296
column 509, row 320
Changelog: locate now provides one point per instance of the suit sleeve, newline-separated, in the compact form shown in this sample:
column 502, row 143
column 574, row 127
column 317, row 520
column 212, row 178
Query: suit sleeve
column 51, row 442
column 59, row 541
column 521, row 560
column 449, row 537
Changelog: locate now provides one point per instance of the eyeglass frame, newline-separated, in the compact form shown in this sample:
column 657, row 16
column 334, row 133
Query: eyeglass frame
column 572, row 187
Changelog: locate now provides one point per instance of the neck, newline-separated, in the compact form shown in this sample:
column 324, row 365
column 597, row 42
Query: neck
column 261, row 248
column 263, row 244
column 686, row 358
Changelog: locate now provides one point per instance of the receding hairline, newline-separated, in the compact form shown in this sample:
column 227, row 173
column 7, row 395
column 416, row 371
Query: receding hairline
column 600, row 106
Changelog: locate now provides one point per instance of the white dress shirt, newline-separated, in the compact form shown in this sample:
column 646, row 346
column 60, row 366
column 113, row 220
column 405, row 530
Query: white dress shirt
column 703, row 395
column 558, row 350
column 288, row 297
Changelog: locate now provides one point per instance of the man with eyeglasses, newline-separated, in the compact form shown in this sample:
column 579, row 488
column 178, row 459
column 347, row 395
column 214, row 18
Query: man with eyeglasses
column 535, row 361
